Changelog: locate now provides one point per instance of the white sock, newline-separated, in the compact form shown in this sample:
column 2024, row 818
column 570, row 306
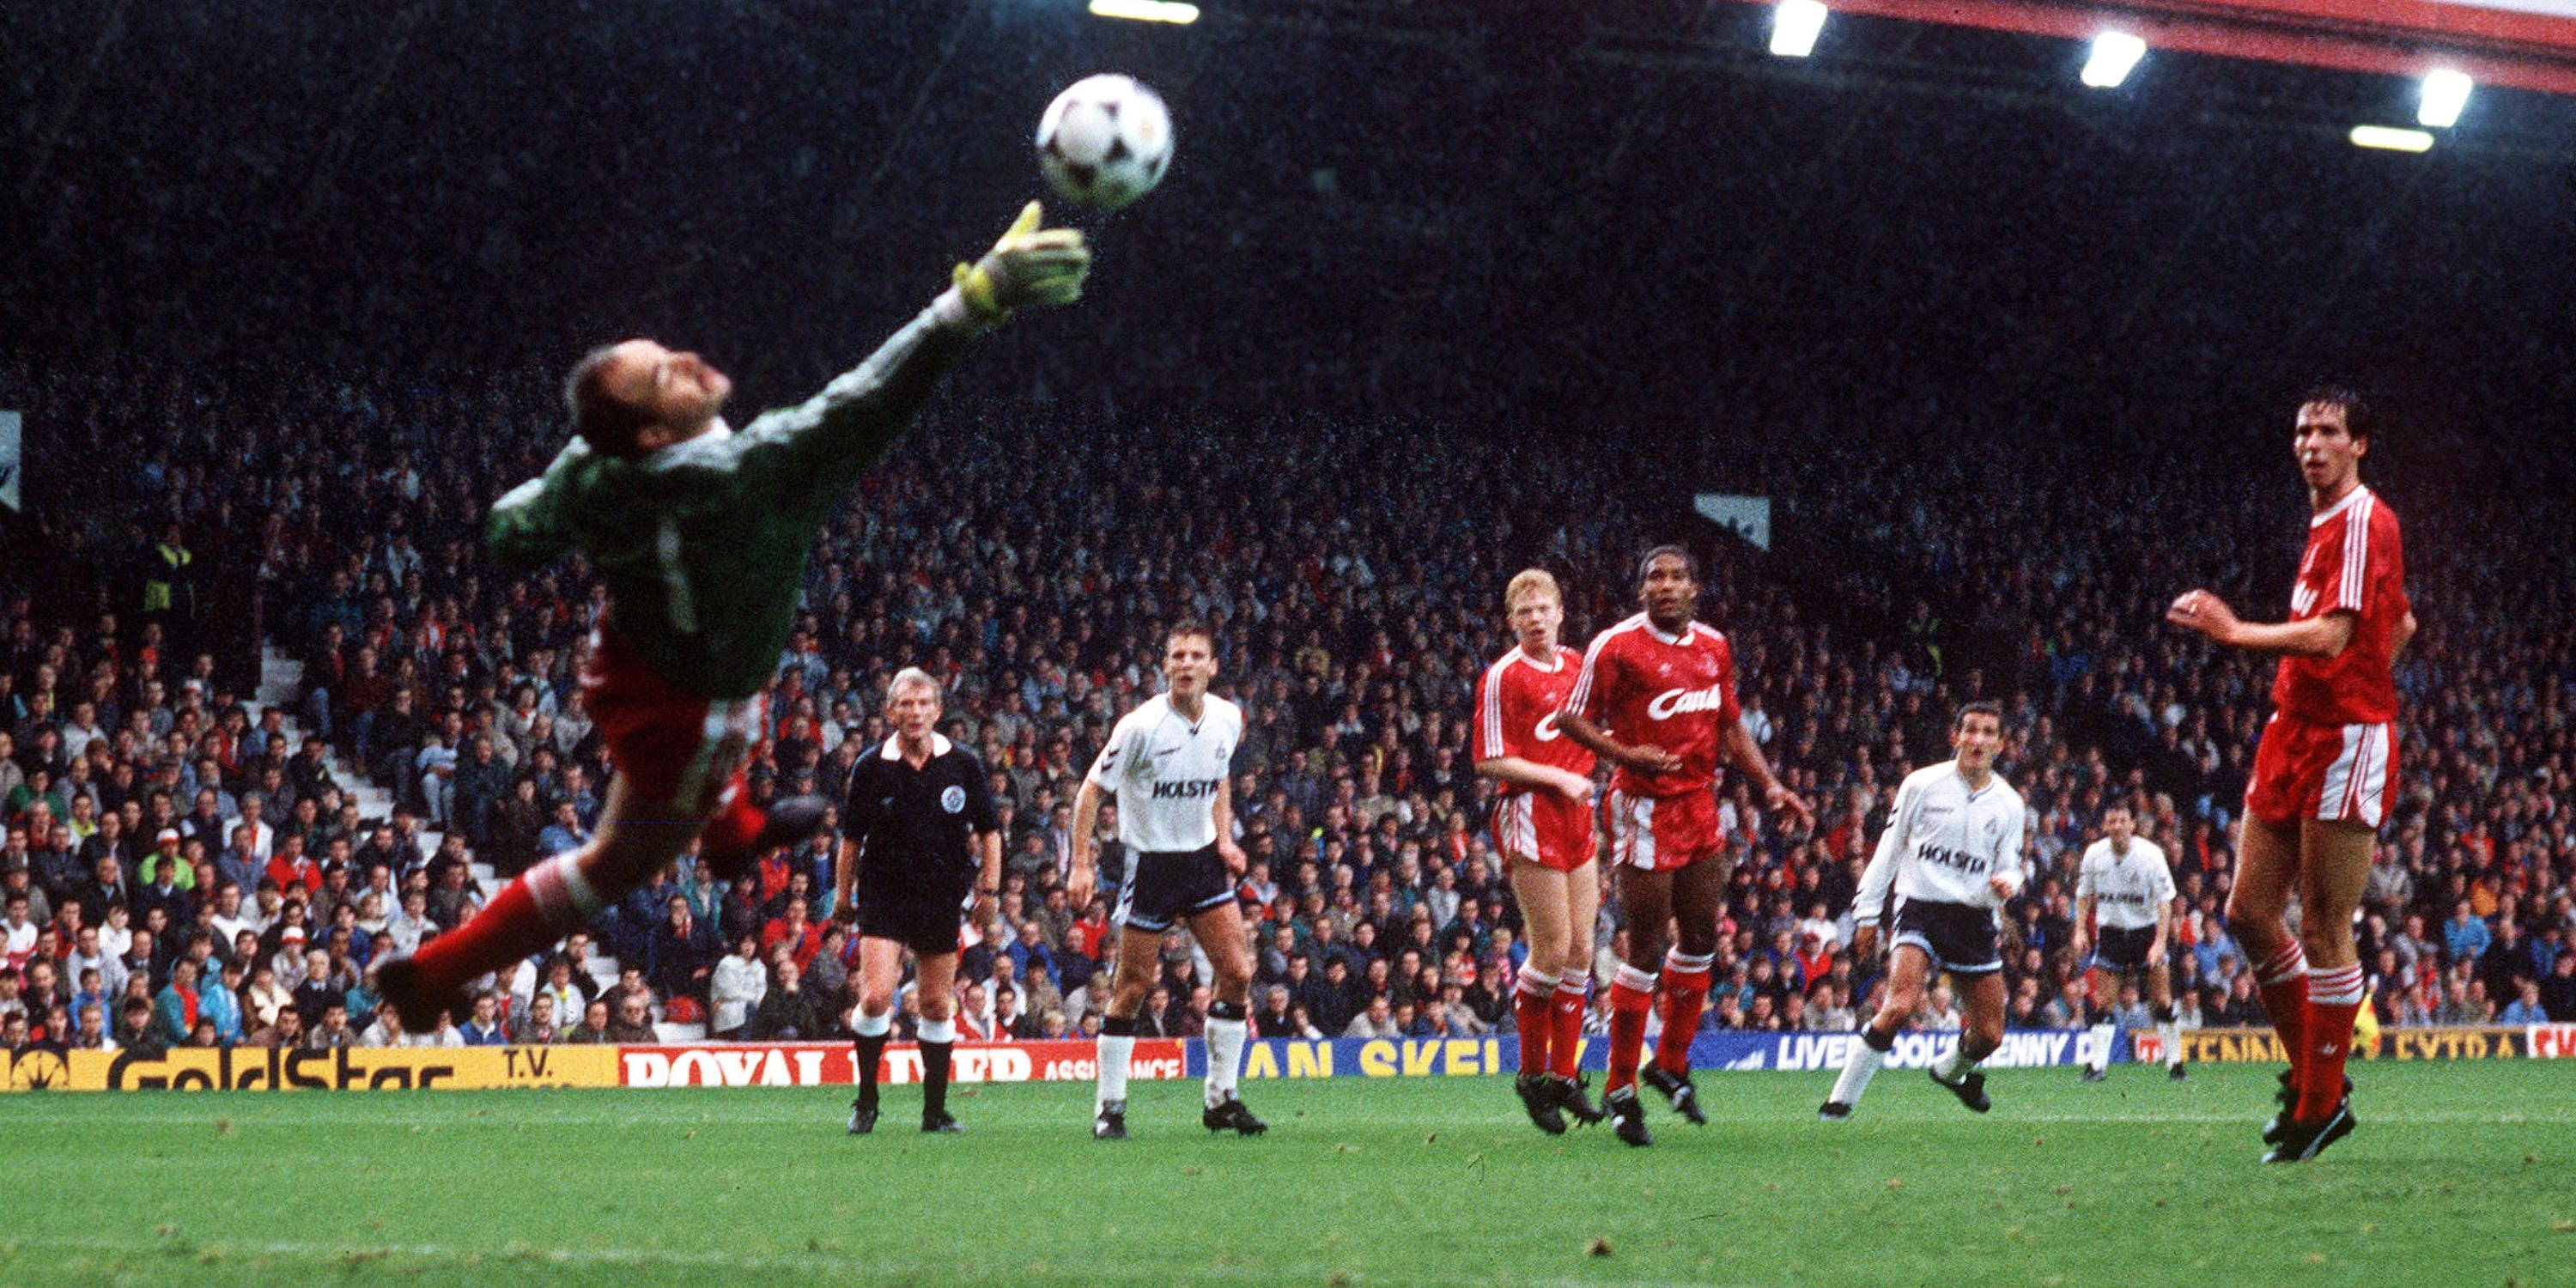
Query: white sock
column 563, row 893
column 1858, row 1068
column 1114, row 1054
column 2170, row 1033
column 1954, row 1064
column 2102, row 1038
column 1225, row 1058
column 940, row 1031
column 873, row 1026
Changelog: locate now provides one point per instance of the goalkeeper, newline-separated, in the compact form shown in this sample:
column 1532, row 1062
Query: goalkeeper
column 702, row 535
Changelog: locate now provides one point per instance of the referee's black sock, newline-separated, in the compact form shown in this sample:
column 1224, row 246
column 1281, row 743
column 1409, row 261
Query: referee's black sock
column 871, row 1050
column 938, row 1039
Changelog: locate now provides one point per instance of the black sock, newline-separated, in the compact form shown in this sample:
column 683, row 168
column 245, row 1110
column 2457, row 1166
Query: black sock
column 934, row 1077
column 871, row 1050
column 1879, row 1042
column 1224, row 1011
column 2164, row 1015
column 1115, row 1027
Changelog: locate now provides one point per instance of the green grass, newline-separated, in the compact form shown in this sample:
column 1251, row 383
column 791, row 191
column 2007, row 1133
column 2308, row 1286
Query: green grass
column 2459, row 1176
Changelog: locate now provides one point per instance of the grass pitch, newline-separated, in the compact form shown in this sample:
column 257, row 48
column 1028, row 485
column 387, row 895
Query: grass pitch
column 2459, row 1175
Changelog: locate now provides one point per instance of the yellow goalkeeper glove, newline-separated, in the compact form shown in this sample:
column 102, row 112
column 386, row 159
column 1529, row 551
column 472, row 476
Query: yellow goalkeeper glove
column 1029, row 266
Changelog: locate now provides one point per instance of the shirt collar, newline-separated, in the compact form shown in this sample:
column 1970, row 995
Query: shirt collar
column 939, row 746
column 2318, row 520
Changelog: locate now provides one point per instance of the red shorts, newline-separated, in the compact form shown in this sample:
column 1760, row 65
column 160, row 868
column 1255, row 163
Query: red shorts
column 2304, row 770
column 1660, row 833
column 671, row 746
column 1544, row 826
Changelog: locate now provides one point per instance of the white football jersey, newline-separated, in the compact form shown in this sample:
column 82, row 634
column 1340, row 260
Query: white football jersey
column 1166, row 772
column 1944, row 841
column 2126, row 889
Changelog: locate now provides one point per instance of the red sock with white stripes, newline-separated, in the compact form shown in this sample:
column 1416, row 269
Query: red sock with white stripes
column 1685, row 995
column 1632, row 995
column 1565, row 1046
column 540, row 907
column 1533, row 1017
column 2282, row 979
column 2334, row 998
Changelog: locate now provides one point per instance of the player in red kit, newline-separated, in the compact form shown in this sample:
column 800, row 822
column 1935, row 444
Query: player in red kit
column 2326, row 767
column 1543, row 829
column 1657, row 699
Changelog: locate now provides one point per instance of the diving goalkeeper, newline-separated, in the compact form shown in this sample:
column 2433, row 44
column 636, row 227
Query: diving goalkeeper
column 702, row 535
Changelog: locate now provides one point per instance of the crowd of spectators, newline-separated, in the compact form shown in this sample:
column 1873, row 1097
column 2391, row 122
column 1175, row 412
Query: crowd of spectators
column 192, row 873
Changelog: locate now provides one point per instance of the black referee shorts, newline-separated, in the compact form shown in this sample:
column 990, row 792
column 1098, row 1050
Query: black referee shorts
column 1960, row 939
column 2124, row 949
column 921, row 915
column 1165, row 886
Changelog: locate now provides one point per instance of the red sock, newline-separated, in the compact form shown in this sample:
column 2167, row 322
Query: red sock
column 1685, row 993
column 541, row 906
column 2334, row 998
column 2282, row 979
column 1631, row 996
column 728, row 836
column 1530, row 1017
column 1565, row 1052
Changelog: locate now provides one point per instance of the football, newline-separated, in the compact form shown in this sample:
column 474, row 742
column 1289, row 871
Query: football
column 1105, row 141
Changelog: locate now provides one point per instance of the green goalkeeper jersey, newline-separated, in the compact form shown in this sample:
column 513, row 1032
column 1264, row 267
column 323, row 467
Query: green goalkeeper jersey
column 703, row 544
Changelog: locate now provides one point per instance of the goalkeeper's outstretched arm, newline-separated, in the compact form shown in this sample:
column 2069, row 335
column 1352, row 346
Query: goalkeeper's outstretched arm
column 830, row 439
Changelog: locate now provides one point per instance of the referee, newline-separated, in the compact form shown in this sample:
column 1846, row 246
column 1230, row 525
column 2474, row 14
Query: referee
column 921, row 831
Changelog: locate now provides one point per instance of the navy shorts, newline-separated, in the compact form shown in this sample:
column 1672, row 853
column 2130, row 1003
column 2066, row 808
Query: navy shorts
column 2124, row 949
column 1959, row 939
column 1167, row 886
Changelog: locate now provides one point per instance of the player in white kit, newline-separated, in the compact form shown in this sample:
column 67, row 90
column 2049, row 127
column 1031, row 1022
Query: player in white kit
column 2126, row 891
column 1169, row 762
column 1952, row 855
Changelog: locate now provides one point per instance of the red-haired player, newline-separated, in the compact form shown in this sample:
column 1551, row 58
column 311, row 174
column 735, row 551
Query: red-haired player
column 1543, row 829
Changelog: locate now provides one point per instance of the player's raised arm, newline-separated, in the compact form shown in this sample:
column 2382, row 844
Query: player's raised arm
column 2320, row 636
column 825, row 443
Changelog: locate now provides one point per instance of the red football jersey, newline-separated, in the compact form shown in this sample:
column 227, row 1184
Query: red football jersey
column 1642, row 686
column 1516, row 706
column 2354, row 564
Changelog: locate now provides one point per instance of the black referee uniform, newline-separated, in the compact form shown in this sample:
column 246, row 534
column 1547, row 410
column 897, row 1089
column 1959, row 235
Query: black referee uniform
column 912, row 832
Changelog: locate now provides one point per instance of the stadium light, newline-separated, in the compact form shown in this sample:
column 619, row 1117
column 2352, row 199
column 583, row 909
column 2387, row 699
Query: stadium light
column 2446, row 91
column 1795, row 24
column 2114, row 53
column 2391, row 138
column 1147, row 11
